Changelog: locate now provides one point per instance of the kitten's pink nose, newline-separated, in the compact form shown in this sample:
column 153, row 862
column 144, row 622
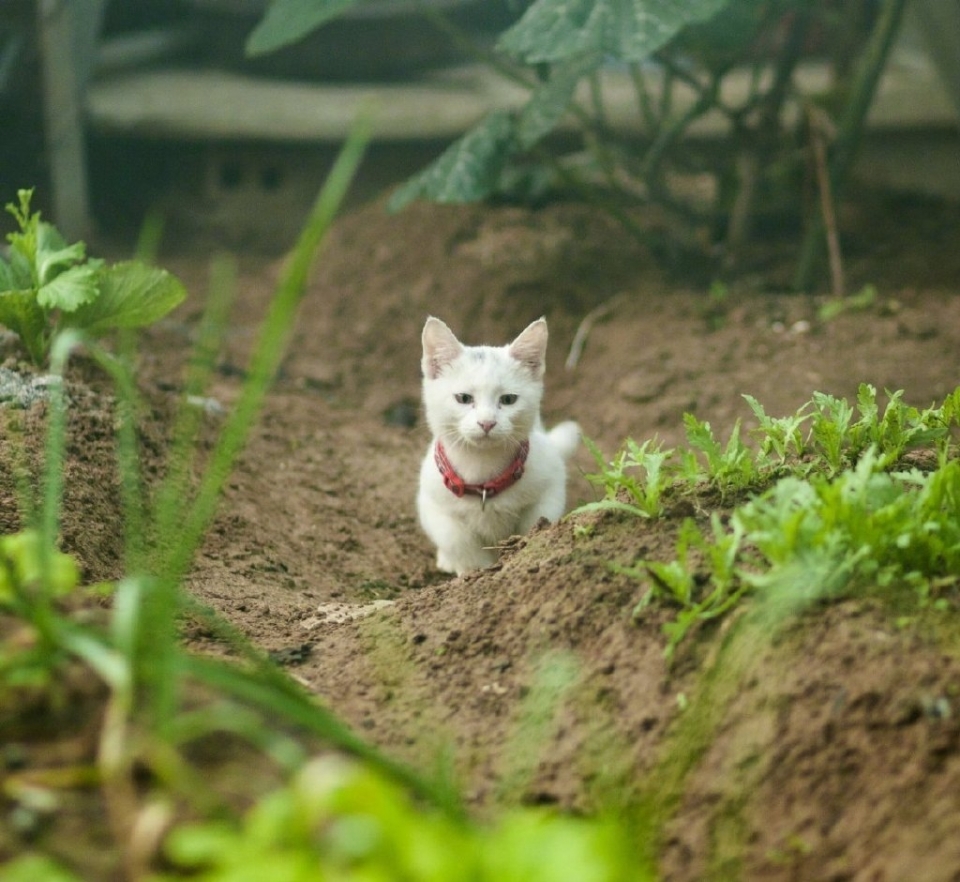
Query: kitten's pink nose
column 487, row 425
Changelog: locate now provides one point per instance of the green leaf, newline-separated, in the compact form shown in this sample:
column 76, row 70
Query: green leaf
column 24, row 243
column 700, row 437
column 20, row 313
column 16, row 274
column 612, row 505
column 8, row 277
column 550, row 101
column 132, row 295
column 727, row 38
column 53, row 254
column 287, row 21
column 72, row 288
column 35, row 867
column 468, row 170
column 629, row 30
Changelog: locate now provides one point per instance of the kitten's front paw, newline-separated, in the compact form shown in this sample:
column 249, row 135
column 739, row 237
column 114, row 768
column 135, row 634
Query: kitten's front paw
column 444, row 564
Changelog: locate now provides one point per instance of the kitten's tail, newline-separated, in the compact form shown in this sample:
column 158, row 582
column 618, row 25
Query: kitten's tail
column 565, row 437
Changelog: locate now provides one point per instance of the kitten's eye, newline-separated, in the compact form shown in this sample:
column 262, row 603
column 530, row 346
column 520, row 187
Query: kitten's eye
column 464, row 398
column 507, row 400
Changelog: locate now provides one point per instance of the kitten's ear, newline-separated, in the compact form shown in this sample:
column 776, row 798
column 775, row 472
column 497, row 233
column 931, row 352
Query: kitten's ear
column 440, row 347
column 530, row 348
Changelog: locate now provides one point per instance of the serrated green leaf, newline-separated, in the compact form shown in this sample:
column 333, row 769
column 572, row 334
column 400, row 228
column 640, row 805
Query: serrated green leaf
column 550, row 101
column 23, row 243
column 8, row 277
column 20, row 271
column 468, row 170
column 700, row 437
column 612, row 505
column 132, row 295
column 629, row 30
column 20, row 313
column 71, row 288
column 54, row 255
column 287, row 21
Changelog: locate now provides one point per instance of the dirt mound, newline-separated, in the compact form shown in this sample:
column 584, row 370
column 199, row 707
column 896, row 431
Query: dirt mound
column 829, row 749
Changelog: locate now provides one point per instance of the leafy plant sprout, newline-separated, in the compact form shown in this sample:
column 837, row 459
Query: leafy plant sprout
column 617, row 478
column 829, row 512
column 48, row 286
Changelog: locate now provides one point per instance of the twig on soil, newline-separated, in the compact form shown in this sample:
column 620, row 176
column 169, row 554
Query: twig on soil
column 586, row 325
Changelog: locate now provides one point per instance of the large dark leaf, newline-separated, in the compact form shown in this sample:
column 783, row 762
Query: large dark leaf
column 468, row 170
column 287, row 21
column 629, row 30
column 550, row 101
column 132, row 295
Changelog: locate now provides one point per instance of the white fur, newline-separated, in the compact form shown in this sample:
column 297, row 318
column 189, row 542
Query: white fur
column 481, row 438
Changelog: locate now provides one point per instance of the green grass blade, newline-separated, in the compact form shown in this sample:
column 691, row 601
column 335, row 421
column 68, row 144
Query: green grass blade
column 266, row 359
column 280, row 698
column 52, row 496
column 128, row 456
column 182, row 456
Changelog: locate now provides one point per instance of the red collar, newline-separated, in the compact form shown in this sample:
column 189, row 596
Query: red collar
column 458, row 487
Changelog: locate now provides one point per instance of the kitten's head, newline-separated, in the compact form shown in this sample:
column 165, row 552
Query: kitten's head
column 482, row 396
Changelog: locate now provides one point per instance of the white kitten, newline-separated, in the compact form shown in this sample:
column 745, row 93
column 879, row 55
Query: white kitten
column 491, row 471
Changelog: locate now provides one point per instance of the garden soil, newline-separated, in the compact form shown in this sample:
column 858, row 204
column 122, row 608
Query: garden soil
column 823, row 747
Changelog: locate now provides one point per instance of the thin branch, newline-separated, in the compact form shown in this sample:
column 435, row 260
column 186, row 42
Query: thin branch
column 872, row 61
column 644, row 102
column 586, row 326
column 672, row 133
column 764, row 136
column 819, row 127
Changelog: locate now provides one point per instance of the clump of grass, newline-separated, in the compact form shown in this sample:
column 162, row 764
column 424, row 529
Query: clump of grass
column 636, row 472
column 828, row 512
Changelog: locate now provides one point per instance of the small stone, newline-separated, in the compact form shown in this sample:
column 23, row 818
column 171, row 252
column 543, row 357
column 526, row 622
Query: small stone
column 636, row 386
column 21, row 391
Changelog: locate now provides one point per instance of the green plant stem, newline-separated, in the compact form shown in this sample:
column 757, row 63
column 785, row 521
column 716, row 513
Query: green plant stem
column 131, row 485
column 266, row 358
column 182, row 456
column 283, row 699
column 672, row 133
column 49, row 525
column 472, row 48
column 591, row 196
column 756, row 155
column 852, row 124
column 644, row 104
column 596, row 99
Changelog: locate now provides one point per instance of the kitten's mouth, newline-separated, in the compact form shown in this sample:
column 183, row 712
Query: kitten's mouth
column 486, row 441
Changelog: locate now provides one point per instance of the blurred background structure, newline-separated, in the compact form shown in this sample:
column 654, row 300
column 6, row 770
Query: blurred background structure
column 114, row 108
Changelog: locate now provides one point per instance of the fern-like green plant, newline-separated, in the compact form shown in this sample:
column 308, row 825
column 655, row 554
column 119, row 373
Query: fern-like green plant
column 47, row 286
column 828, row 514
column 637, row 472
